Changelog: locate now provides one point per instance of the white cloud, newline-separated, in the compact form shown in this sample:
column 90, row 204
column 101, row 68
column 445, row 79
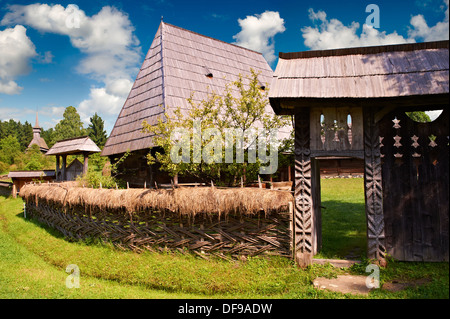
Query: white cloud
column 421, row 30
column 112, row 51
column 258, row 33
column 46, row 58
column 9, row 87
column 107, row 39
column 106, row 101
column 332, row 33
column 14, row 113
column 16, row 50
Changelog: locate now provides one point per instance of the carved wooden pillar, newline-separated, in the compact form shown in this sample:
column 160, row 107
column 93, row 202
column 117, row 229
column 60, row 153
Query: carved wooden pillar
column 303, row 208
column 373, row 188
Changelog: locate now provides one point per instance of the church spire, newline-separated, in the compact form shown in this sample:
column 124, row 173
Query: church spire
column 37, row 121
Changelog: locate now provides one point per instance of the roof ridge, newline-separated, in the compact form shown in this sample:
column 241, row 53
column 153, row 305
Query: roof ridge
column 72, row 138
column 208, row 37
column 444, row 44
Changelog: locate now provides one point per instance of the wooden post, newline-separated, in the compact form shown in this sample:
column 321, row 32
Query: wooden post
column 291, row 228
column 317, row 217
column 63, row 168
column 14, row 190
column 57, row 168
column 303, row 208
column 373, row 188
column 85, row 164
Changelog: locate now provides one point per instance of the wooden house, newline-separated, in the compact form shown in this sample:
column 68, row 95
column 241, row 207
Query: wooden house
column 406, row 163
column 178, row 63
column 73, row 170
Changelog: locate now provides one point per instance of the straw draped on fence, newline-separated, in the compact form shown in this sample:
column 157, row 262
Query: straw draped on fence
column 204, row 220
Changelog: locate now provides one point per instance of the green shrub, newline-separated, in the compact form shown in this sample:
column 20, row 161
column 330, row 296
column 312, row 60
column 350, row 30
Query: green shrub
column 4, row 168
column 94, row 179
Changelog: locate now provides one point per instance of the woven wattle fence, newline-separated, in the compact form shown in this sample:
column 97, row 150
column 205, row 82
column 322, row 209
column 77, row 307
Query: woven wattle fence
column 206, row 221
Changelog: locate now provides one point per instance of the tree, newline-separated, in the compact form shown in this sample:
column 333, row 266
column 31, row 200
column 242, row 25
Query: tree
column 9, row 149
column 24, row 135
column 23, row 132
column 96, row 130
column 48, row 136
column 240, row 109
column 33, row 159
column 70, row 126
column 419, row 116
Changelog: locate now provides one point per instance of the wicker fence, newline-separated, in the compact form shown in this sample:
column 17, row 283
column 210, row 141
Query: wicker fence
column 226, row 235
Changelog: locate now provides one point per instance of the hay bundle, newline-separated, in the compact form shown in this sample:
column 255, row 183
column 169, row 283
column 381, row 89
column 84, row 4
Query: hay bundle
column 191, row 201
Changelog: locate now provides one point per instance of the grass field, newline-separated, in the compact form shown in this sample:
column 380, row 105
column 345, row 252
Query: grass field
column 33, row 260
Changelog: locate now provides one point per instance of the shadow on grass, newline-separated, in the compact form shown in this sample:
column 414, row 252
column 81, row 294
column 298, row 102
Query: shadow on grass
column 50, row 230
column 343, row 230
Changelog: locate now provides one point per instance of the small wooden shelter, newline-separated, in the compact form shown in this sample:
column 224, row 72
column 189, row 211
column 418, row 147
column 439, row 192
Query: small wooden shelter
column 405, row 162
column 73, row 146
column 20, row 178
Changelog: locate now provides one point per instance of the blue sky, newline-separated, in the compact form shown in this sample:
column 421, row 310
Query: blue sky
column 47, row 63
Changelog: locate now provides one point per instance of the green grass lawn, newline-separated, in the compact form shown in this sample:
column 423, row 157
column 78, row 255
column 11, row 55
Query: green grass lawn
column 343, row 219
column 33, row 260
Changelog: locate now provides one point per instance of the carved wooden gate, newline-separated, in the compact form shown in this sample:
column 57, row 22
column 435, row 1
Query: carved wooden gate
column 415, row 174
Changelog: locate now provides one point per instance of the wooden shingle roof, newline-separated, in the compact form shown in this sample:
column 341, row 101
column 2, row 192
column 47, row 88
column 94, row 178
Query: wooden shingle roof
column 76, row 145
column 390, row 71
column 178, row 63
column 32, row 174
column 39, row 141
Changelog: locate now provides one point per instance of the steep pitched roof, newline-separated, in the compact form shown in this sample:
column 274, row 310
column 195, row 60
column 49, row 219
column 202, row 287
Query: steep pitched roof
column 76, row 145
column 389, row 71
column 178, row 63
column 39, row 141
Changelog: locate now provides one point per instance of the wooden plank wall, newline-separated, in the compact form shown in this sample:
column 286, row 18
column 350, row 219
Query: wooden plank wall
column 334, row 136
column 416, row 187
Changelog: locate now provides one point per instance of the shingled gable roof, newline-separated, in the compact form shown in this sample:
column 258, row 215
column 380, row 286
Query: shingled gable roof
column 379, row 72
column 75, row 145
column 178, row 63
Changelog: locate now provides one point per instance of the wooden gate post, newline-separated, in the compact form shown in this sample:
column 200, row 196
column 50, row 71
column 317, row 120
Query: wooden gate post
column 303, row 208
column 373, row 190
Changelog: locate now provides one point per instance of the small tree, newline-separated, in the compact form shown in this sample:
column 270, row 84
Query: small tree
column 69, row 127
column 242, row 108
column 419, row 116
column 96, row 130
